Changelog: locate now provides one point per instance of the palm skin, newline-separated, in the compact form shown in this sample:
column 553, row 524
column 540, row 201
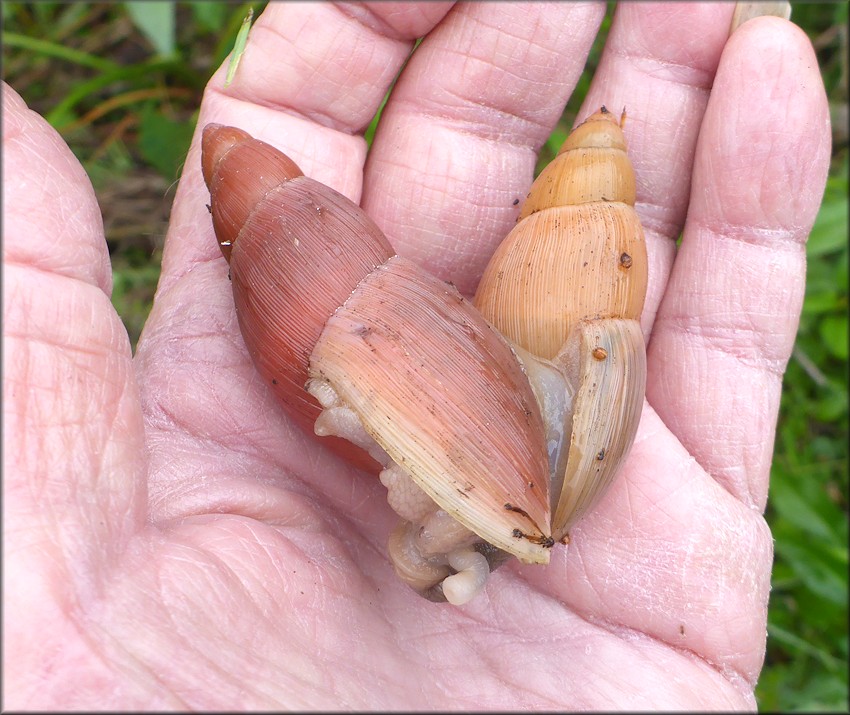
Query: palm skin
column 172, row 541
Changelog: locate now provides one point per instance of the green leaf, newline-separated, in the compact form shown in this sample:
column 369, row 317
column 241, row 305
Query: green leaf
column 799, row 687
column 44, row 11
column 164, row 142
column 840, row 272
column 829, row 234
column 59, row 51
column 832, row 406
column 792, row 505
column 822, row 570
column 211, row 16
column 369, row 134
column 156, row 21
column 556, row 139
column 817, row 303
column 804, row 646
column 833, row 332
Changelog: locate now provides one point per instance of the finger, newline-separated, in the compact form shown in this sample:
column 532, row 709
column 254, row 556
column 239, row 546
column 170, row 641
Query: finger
column 456, row 146
column 36, row 215
column 658, row 64
column 669, row 556
column 726, row 326
column 73, row 435
column 311, row 78
column 745, row 11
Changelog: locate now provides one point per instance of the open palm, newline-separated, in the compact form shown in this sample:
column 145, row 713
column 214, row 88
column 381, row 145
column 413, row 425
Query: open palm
column 172, row 541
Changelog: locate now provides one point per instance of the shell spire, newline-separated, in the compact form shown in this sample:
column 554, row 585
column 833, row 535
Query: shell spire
column 578, row 249
column 285, row 288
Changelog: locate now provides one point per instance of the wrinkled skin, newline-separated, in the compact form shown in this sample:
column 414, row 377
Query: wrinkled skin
column 172, row 541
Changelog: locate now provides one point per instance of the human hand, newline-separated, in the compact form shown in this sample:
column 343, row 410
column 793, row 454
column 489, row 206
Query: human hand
column 172, row 541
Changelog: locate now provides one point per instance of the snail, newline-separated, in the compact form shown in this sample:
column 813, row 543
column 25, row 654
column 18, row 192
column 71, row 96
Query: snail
column 574, row 268
column 493, row 425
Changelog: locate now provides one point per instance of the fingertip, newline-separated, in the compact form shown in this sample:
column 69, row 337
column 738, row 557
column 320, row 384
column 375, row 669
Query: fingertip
column 731, row 308
column 14, row 110
column 745, row 11
column 52, row 220
column 768, row 32
column 776, row 48
column 767, row 128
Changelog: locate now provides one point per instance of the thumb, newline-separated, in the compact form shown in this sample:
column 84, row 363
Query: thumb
column 74, row 487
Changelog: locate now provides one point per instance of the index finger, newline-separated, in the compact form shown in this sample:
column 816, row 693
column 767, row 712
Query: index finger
column 311, row 78
column 726, row 325
column 456, row 147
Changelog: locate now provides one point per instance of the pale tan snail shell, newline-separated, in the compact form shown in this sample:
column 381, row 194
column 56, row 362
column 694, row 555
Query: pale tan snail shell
column 574, row 270
column 468, row 428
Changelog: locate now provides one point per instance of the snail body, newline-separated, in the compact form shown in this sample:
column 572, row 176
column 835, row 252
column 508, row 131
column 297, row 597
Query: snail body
column 473, row 432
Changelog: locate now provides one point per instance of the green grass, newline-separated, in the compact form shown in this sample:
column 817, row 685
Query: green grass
column 806, row 667
column 123, row 87
column 122, row 83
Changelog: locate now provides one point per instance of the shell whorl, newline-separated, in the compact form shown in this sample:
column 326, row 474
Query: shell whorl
column 577, row 250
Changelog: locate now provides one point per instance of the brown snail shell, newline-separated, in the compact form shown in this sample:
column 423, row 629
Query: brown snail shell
column 319, row 295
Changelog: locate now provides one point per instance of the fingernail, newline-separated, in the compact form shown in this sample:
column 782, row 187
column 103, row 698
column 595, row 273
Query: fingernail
column 748, row 10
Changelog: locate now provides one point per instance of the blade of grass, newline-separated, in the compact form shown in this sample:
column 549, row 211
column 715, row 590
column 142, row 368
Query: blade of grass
column 369, row 134
column 239, row 46
column 61, row 111
column 124, row 99
column 51, row 49
column 210, row 15
column 156, row 21
column 797, row 643
column 75, row 16
column 127, row 121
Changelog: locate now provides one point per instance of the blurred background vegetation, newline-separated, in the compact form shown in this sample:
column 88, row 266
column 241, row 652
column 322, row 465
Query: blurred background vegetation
column 122, row 83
